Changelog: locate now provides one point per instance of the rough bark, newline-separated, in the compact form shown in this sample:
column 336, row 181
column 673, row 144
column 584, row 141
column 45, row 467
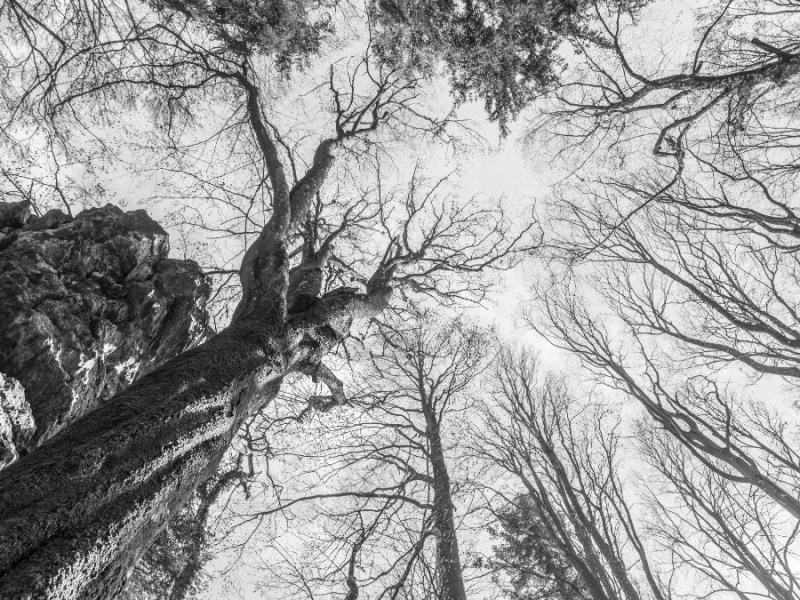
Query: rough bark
column 80, row 510
column 89, row 304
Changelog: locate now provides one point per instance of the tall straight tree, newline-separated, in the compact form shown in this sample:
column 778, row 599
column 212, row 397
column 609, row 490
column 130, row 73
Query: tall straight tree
column 380, row 500
column 571, row 532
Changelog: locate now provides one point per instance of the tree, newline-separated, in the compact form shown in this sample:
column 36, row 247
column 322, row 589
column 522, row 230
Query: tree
column 562, row 536
column 733, row 535
column 697, row 255
column 565, row 457
column 78, row 511
column 81, row 509
column 501, row 52
column 538, row 567
column 431, row 366
column 573, row 523
column 714, row 93
column 571, row 519
column 135, row 460
column 677, row 287
column 378, row 501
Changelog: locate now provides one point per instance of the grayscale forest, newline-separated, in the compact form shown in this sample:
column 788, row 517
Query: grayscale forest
column 400, row 299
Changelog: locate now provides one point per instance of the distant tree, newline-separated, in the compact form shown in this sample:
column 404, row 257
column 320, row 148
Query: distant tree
column 573, row 531
column 733, row 536
column 380, row 500
column 698, row 253
column 290, row 31
column 427, row 371
column 172, row 566
column 689, row 251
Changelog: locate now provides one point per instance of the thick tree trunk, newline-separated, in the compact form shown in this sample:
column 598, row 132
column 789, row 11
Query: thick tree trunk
column 79, row 511
column 77, row 514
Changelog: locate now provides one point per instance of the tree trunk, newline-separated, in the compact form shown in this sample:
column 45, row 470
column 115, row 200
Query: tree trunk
column 78, row 512
column 451, row 577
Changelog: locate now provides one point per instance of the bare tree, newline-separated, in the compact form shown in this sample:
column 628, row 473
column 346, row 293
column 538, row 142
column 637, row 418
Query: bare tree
column 755, row 444
column 696, row 257
column 569, row 526
column 562, row 461
column 728, row 89
column 389, row 498
column 676, row 279
column 736, row 538
column 433, row 368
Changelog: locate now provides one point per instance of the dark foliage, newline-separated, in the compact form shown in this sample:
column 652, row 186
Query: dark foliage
column 502, row 52
column 288, row 30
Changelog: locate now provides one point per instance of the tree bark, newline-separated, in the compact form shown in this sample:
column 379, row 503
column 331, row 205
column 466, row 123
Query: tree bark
column 78, row 512
column 451, row 576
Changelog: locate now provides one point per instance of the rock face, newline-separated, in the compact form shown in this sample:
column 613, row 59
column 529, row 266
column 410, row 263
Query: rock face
column 86, row 305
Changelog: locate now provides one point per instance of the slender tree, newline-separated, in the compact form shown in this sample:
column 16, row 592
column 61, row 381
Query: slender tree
column 581, row 533
column 733, row 536
column 689, row 253
column 391, row 501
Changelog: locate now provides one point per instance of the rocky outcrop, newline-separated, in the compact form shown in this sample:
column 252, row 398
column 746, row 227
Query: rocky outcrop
column 86, row 306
